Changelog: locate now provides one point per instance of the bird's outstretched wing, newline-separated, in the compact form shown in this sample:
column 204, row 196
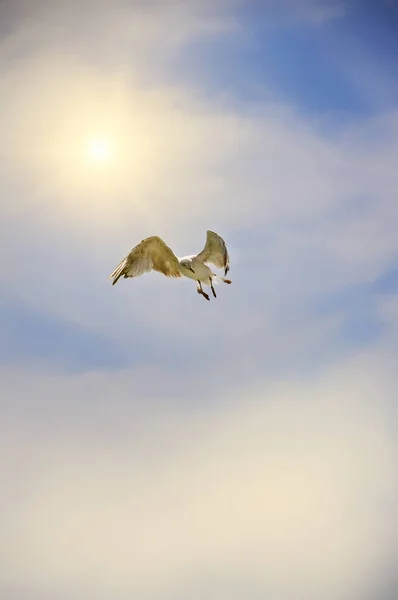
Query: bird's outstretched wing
column 215, row 252
column 150, row 254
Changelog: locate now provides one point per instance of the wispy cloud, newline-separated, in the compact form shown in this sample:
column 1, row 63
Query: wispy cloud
column 312, row 12
column 321, row 12
column 181, row 166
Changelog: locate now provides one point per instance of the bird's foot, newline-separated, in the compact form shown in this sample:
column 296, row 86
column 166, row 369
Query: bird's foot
column 227, row 281
column 202, row 293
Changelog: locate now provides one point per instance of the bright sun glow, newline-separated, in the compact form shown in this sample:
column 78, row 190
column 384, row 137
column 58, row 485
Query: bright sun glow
column 99, row 150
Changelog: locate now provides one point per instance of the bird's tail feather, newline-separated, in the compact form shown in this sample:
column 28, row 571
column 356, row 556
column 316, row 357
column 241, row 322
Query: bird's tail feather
column 218, row 279
column 118, row 272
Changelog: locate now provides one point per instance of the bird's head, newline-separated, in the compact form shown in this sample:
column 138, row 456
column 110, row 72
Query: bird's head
column 187, row 263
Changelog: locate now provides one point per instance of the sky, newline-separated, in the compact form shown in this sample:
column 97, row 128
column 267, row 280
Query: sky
column 154, row 445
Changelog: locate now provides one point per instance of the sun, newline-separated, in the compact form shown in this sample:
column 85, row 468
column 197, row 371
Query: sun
column 99, row 150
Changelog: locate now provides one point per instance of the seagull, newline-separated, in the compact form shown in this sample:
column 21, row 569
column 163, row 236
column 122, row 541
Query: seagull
column 153, row 254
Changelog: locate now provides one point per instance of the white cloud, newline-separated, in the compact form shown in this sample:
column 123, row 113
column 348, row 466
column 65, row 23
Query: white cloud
column 286, row 488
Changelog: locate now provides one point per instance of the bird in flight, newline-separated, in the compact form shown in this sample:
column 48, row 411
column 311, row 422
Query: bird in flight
column 153, row 254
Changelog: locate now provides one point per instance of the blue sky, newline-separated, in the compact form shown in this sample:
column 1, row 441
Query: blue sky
column 304, row 54
column 217, row 445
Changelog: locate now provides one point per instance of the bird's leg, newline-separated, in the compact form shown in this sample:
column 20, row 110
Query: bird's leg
column 201, row 292
column 212, row 288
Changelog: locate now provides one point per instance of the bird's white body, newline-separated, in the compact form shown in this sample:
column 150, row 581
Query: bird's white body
column 153, row 254
column 197, row 271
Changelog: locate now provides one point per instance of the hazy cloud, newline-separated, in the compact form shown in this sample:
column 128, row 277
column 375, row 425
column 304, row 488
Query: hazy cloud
column 284, row 488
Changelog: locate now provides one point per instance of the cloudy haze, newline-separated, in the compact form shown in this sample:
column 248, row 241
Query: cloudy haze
column 153, row 445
